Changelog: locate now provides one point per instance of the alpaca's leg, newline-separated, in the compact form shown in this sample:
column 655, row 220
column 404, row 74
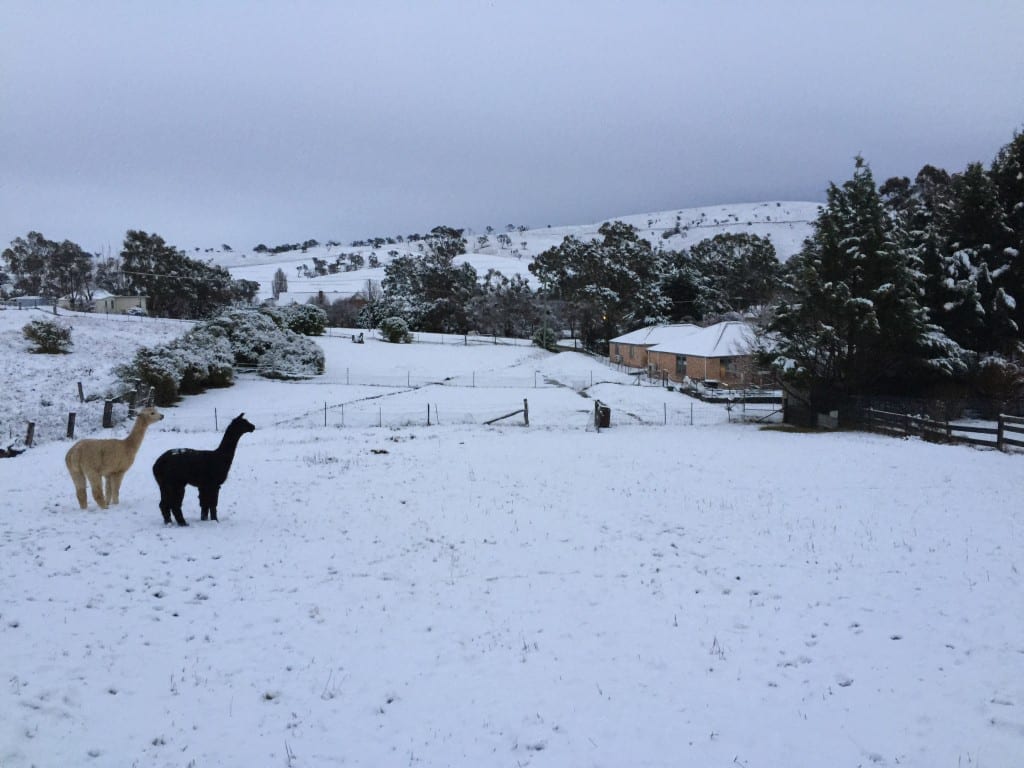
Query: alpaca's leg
column 171, row 498
column 113, row 487
column 165, row 508
column 96, row 482
column 78, row 478
column 177, row 497
column 207, row 502
column 214, row 495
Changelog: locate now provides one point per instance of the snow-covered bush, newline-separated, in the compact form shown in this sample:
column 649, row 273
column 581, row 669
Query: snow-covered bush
column 395, row 330
column 250, row 333
column 291, row 356
column 158, row 367
column 307, row 319
column 48, row 336
column 1000, row 379
column 546, row 338
column 207, row 359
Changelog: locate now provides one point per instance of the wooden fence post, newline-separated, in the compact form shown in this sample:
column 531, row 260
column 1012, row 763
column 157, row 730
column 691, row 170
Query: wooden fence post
column 108, row 414
column 30, row 435
column 71, row 424
column 1000, row 424
column 526, row 412
column 81, row 393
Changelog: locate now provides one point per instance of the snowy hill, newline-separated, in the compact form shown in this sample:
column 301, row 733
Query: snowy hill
column 787, row 224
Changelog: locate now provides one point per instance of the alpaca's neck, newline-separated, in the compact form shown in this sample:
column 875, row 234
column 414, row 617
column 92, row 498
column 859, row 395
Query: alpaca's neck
column 134, row 439
column 228, row 443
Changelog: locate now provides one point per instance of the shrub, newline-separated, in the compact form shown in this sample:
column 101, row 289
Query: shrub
column 546, row 338
column 307, row 319
column 249, row 332
column 206, row 357
column 291, row 356
column 48, row 337
column 200, row 359
column 395, row 330
column 159, row 368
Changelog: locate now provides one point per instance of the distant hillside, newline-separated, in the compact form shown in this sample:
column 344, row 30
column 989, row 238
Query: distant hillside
column 786, row 223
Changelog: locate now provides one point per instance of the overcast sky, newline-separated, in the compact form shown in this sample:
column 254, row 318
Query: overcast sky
column 274, row 122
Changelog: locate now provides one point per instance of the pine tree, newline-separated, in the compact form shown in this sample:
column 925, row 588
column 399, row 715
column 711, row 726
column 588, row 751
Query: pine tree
column 280, row 283
column 854, row 324
column 978, row 265
column 1007, row 174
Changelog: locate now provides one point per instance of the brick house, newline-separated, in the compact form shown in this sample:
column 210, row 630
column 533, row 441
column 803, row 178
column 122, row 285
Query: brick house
column 630, row 349
column 719, row 353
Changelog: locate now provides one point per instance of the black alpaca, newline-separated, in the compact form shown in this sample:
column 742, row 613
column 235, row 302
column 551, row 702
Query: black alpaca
column 207, row 470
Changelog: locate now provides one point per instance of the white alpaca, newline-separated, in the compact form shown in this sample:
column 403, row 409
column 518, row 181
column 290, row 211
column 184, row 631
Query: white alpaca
column 106, row 461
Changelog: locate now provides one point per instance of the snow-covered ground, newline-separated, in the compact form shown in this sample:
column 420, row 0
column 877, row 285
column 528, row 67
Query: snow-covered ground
column 458, row 594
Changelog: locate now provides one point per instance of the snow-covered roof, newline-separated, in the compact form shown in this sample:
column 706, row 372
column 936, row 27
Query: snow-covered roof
column 657, row 334
column 725, row 339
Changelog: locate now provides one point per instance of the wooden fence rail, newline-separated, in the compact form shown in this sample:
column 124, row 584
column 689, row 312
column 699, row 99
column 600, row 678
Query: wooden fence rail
column 1009, row 430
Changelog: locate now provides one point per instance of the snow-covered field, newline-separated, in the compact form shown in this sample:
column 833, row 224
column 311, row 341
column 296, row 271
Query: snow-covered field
column 646, row 595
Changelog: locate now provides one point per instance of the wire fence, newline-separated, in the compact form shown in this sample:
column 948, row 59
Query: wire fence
column 379, row 413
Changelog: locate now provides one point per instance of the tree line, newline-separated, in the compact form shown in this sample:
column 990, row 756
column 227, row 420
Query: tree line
column 176, row 285
column 913, row 286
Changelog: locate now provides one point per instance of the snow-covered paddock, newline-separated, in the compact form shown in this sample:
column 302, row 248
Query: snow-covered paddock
column 508, row 595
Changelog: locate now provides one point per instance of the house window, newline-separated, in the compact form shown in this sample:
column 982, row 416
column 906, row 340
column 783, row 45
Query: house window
column 618, row 351
column 681, row 365
column 729, row 364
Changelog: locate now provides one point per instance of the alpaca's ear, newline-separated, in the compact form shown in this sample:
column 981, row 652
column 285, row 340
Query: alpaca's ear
column 241, row 415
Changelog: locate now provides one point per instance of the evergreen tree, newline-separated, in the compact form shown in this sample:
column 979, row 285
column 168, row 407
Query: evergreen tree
column 736, row 272
column 853, row 324
column 1007, row 174
column 69, row 274
column 612, row 285
column 280, row 283
column 26, row 261
column 41, row 267
column 176, row 285
column 429, row 292
column 681, row 286
column 504, row 306
column 977, row 264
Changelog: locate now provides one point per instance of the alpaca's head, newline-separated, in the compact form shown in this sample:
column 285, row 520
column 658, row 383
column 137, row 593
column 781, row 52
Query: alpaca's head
column 241, row 425
column 149, row 415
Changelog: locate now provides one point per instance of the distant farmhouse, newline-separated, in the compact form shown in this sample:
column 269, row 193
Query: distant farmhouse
column 720, row 354
column 631, row 349
column 109, row 304
column 28, row 302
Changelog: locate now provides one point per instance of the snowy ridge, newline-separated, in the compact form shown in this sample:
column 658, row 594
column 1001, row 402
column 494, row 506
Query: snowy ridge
column 787, row 224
